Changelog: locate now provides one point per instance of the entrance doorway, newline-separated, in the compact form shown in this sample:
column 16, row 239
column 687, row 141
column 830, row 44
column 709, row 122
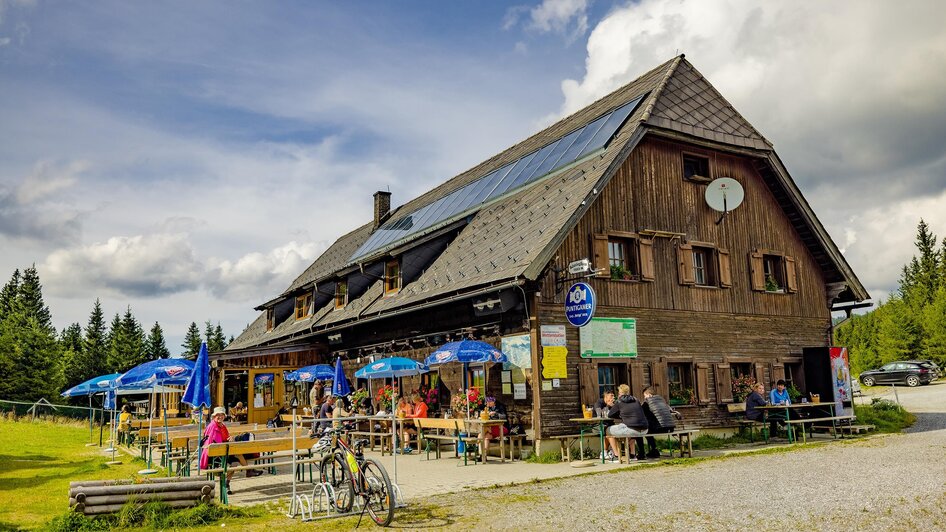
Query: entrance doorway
column 236, row 388
column 265, row 392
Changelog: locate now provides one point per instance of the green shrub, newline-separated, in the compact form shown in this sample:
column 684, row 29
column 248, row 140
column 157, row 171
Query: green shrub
column 885, row 415
column 548, row 457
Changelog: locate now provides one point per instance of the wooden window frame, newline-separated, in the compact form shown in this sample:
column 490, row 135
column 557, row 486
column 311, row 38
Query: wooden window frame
column 638, row 256
column 717, row 269
column 341, row 294
column 686, row 381
column 703, row 162
column 392, row 281
column 303, row 306
column 270, row 319
column 766, row 264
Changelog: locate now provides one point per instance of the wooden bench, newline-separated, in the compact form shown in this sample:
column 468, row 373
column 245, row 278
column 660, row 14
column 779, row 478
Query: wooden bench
column 682, row 435
column 514, row 440
column 565, row 443
column 851, row 429
column 812, row 420
column 434, row 432
column 739, row 409
column 181, row 445
column 266, row 448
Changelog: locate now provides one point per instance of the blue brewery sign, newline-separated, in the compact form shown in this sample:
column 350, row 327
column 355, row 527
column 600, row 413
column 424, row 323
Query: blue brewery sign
column 580, row 303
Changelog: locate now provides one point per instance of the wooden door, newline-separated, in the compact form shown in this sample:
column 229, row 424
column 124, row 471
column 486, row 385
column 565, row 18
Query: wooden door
column 266, row 391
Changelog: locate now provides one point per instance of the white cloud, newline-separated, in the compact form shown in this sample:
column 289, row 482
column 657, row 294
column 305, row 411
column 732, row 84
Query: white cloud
column 849, row 92
column 49, row 177
column 565, row 17
column 262, row 275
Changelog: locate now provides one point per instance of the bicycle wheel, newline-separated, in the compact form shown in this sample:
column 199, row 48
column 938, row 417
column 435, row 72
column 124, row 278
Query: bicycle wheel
column 378, row 493
column 334, row 471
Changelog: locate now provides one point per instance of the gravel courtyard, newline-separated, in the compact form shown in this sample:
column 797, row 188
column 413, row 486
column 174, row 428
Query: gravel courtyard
column 893, row 482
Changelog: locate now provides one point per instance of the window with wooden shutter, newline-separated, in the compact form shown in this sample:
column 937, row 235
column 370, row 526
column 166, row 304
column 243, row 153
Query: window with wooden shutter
column 702, row 384
column 725, row 269
column 791, row 275
column 588, row 383
column 647, row 259
column 658, row 378
column 635, row 376
column 760, row 372
column 599, row 255
column 723, row 384
column 685, row 264
column 778, row 371
column 756, row 271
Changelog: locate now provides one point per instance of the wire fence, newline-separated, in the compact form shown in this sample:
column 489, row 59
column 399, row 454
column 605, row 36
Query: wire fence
column 43, row 409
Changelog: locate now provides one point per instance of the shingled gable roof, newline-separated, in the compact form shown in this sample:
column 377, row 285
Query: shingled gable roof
column 515, row 237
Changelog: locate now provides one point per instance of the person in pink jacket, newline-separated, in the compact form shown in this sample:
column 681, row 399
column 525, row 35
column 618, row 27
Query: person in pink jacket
column 217, row 433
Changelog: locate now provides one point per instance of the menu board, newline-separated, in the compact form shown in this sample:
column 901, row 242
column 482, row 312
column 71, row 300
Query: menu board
column 609, row 337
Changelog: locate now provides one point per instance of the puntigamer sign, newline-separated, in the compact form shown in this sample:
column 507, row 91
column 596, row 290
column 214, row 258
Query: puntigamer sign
column 580, row 303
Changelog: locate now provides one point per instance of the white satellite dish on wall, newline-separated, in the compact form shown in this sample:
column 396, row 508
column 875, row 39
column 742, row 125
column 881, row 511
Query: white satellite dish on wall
column 723, row 195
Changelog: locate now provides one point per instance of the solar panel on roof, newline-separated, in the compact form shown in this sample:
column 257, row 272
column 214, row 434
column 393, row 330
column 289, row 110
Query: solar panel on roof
column 557, row 154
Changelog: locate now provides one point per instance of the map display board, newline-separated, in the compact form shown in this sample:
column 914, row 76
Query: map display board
column 609, row 337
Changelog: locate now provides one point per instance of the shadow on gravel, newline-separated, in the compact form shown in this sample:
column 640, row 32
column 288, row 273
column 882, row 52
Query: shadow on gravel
column 928, row 421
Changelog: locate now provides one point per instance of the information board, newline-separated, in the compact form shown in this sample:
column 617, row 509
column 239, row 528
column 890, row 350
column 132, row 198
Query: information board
column 609, row 337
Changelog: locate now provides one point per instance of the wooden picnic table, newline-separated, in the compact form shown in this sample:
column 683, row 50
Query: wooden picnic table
column 787, row 408
column 583, row 424
column 483, row 425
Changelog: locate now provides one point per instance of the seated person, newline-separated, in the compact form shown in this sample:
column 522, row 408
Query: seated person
column 754, row 400
column 659, row 421
column 602, row 408
column 419, row 411
column 495, row 410
column 340, row 410
column 633, row 421
column 217, row 433
column 778, row 396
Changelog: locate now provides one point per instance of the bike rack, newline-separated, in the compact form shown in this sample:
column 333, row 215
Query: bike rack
column 312, row 507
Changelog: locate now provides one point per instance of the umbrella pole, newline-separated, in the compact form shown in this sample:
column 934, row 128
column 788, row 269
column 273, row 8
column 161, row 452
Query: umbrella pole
column 466, row 389
column 149, row 470
column 91, row 418
column 167, row 441
column 200, row 436
column 101, row 425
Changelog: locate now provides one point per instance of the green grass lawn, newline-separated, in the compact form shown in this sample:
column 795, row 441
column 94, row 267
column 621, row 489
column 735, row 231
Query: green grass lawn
column 37, row 462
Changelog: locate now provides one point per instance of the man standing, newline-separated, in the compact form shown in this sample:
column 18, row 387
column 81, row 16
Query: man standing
column 659, row 421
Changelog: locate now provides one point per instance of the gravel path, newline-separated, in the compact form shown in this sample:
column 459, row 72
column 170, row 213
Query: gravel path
column 891, row 482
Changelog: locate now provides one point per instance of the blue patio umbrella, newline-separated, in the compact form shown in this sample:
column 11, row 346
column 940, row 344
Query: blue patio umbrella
column 91, row 387
column 197, row 393
column 466, row 352
column 340, row 386
column 392, row 367
column 160, row 372
column 318, row 372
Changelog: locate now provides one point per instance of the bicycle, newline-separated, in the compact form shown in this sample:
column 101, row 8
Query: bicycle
column 351, row 474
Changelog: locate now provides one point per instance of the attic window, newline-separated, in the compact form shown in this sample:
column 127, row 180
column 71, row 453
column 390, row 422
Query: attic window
column 341, row 294
column 696, row 167
column 270, row 319
column 392, row 277
column 303, row 306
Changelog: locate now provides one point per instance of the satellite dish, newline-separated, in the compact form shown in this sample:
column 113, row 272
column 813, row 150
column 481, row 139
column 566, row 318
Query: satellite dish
column 723, row 195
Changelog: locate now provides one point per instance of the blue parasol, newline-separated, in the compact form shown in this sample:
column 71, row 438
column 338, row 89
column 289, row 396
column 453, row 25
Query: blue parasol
column 197, row 393
column 392, row 367
column 91, row 386
column 467, row 352
column 340, row 386
column 161, row 372
column 318, row 372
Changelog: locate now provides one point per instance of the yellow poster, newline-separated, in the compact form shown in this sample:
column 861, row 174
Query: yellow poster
column 554, row 364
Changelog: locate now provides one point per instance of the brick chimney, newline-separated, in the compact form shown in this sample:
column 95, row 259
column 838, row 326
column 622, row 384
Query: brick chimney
column 382, row 207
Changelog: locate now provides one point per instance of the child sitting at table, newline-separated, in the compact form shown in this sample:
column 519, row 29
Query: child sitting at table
column 494, row 410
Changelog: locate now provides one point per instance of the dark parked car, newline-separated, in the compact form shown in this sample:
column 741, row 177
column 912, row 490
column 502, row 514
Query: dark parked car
column 909, row 372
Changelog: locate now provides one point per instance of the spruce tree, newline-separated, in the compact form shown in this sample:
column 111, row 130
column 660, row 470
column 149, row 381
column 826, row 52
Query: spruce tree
column 192, row 342
column 113, row 341
column 31, row 366
column 220, row 340
column 8, row 294
column 31, row 300
column 95, row 342
column 131, row 348
column 155, row 346
column 75, row 366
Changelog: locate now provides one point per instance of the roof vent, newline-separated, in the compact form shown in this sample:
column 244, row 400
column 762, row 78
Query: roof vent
column 382, row 207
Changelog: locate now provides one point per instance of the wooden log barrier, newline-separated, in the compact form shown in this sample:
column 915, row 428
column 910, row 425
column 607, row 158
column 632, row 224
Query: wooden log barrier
column 108, row 496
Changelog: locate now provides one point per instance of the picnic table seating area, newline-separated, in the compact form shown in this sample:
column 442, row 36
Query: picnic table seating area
column 683, row 442
column 739, row 413
column 433, row 433
column 273, row 452
column 809, row 423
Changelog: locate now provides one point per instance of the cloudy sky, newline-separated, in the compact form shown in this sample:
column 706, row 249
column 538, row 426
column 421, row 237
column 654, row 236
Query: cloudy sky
column 191, row 158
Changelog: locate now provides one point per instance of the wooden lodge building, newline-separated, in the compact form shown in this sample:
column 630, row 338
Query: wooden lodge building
column 485, row 255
